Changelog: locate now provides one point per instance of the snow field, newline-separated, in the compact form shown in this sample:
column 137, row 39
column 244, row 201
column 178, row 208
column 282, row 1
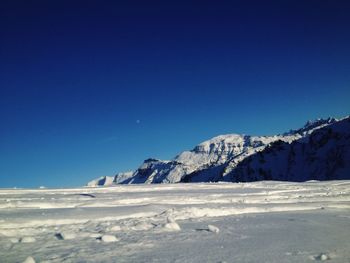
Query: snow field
column 251, row 222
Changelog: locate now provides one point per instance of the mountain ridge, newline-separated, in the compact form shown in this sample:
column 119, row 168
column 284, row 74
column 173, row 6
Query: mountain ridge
column 215, row 159
column 321, row 155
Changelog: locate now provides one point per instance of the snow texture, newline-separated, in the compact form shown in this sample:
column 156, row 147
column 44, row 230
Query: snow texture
column 264, row 221
column 29, row 260
column 109, row 238
column 27, row 240
column 66, row 235
column 171, row 225
column 213, row 229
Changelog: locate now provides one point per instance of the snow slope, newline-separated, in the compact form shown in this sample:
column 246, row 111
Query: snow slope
column 206, row 222
column 322, row 155
column 210, row 161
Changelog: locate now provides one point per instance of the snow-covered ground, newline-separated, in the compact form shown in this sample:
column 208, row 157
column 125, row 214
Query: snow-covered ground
column 222, row 222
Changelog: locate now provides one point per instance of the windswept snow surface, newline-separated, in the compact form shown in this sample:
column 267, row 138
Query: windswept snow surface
column 221, row 222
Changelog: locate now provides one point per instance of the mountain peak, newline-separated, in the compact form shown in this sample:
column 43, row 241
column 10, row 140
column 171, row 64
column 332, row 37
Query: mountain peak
column 312, row 125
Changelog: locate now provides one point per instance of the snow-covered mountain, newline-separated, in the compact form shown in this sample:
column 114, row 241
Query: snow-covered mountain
column 214, row 160
column 119, row 178
column 322, row 155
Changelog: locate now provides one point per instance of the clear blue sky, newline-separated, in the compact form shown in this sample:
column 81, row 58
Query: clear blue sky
column 91, row 88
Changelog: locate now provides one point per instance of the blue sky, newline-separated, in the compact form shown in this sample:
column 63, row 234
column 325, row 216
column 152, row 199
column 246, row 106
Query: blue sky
column 95, row 87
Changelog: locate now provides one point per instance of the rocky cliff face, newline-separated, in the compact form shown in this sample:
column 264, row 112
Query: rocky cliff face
column 237, row 158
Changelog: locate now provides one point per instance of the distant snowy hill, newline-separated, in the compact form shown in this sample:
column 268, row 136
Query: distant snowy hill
column 110, row 180
column 226, row 158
